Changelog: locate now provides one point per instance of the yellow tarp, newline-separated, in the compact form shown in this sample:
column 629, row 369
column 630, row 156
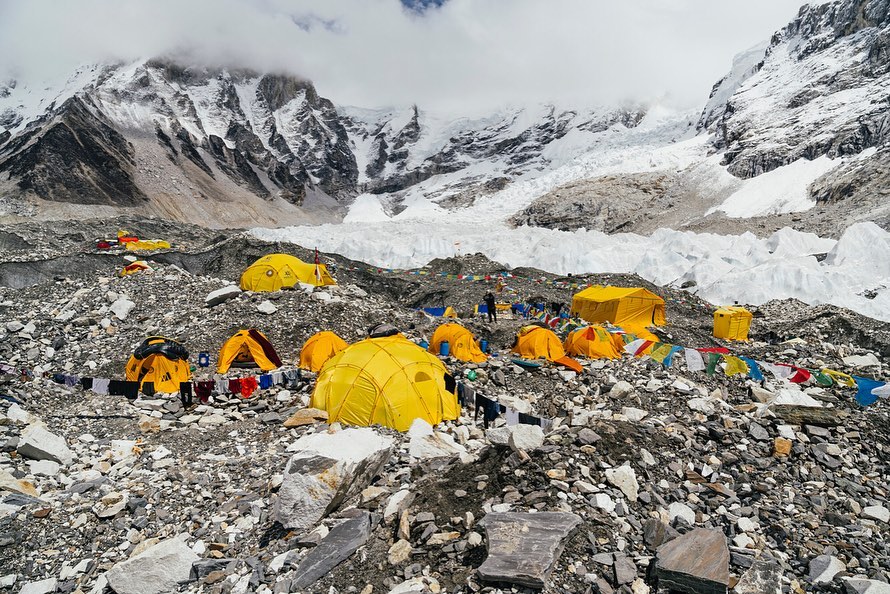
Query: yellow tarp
column 248, row 348
column 319, row 348
column 277, row 271
column 147, row 244
column 732, row 323
column 635, row 306
column 534, row 342
column 460, row 341
column 388, row 381
column 593, row 342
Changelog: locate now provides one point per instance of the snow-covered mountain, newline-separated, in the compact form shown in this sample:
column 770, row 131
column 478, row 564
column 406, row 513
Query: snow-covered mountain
column 193, row 143
column 796, row 133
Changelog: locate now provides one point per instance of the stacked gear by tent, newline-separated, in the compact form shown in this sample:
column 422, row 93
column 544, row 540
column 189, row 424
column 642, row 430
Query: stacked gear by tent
column 161, row 361
column 461, row 342
column 630, row 308
column 593, row 342
column 387, row 381
column 440, row 312
column 732, row 323
column 282, row 271
column 248, row 348
column 319, row 348
column 537, row 342
column 134, row 267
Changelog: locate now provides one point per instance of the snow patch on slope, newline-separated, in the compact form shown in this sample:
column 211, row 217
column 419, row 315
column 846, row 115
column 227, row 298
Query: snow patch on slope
column 779, row 191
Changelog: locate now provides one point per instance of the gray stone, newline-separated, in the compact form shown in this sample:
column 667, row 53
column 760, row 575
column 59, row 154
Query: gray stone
column 266, row 307
column 523, row 548
column 876, row 512
column 499, row 436
column 758, row 432
column 621, row 389
column 696, row 562
column 588, row 436
column 863, row 586
column 657, row 532
column 526, row 438
column 122, row 308
column 340, row 543
column 38, row 443
column 823, row 569
column 41, row 587
column 203, row 567
column 625, row 479
column 426, row 444
column 764, row 577
column 157, row 570
column 327, row 469
column 221, row 295
column 625, row 569
column 14, row 326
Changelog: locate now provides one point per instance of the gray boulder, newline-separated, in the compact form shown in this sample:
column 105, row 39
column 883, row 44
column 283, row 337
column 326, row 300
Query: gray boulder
column 340, row 543
column 326, row 470
column 697, row 561
column 157, row 570
column 38, row 443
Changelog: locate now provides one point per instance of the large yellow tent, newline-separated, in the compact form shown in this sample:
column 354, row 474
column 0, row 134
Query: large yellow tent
column 319, row 348
column 388, row 381
column 276, row 271
column 460, row 341
column 248, row 348
column 159, row 360
column 732, row 323
column 593, row 342
column 629, row 308
column 535, row 342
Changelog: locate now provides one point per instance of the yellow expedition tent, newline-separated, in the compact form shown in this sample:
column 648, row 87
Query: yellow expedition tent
column 732, row 323
column 248, row 348
column 159, row 360
column 461, row 343
column 593, row 342
column 629, row 308
column 388, row 381
column 319, row 348
column 276, row 271
column 535, row 342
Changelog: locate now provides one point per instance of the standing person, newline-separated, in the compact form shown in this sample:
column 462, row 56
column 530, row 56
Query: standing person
column 492, row 309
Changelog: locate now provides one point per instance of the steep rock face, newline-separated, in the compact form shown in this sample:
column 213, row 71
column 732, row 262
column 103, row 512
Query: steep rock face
column 74, row 156
column 822, row 89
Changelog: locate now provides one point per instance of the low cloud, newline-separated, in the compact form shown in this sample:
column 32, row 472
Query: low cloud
column 463, row 55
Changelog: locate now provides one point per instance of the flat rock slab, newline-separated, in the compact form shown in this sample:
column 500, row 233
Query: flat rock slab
column 327, row 469
column 39, row 444
column 523, row 548
column 764, row 577
column 341, row 542
column 696, row 562
column 157, row 570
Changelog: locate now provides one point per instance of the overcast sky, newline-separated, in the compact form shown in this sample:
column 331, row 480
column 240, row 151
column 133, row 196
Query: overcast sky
column 464, row 54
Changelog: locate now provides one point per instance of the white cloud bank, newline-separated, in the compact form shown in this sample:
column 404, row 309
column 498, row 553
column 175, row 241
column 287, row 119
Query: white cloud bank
column 466, row 54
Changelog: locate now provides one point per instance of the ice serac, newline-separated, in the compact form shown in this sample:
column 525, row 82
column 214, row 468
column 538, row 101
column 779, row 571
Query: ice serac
column 523, row 548
column 326, row 470
column 157, row 570
column 697, row 561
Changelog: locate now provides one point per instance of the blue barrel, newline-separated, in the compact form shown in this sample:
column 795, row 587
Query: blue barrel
column 483, row 345
column 424, row 344
column 444, row 348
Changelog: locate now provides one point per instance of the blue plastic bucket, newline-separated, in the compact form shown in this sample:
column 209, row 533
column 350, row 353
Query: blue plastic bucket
column 483, row 345
column 444, row 348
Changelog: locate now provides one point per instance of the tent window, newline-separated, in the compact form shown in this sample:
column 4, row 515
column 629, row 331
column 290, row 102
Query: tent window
column 422, row 377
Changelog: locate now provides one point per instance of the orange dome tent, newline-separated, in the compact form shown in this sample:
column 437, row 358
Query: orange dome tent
column 535, row 342
column 463, row 345
column 593, row 342
column 319, row 348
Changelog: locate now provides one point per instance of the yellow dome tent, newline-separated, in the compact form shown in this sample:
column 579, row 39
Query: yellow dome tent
column 593, row 342
column 535, row 342
column 248, row 348
column 276, row 271
column 388, row 381
column 461, row 342
column 159, row 360
column 732, row 323
column 630, row 308
column 319, row 348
